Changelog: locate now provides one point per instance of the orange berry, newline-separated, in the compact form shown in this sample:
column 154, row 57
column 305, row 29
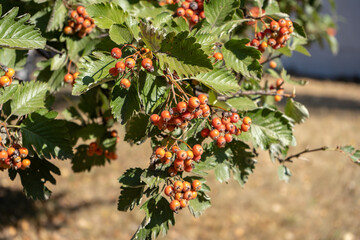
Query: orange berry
column 172, row 172
column 216, row 122
column 272, row 64
column 194, row 194
column 182, row 155
column 146, row 63
column 202, row 14
column 154, row 118
column 187, row 195
column 221, row 141
column 185, row 5
column 194, row 19
column 181, row 107
column 125, row 83
column 175, row 149
column 197, row 150
column 178, row 186
column 214, row 134
column 282, row 22
column 165, row 115
column 130, row 63
column 178, row 196
column 80, row 20
column 25, row 163
column 180, row 12
column 23, row 152
column 168, row 155
column 245, row 127
column 86, row 23
column 189, row 13
column 196, row 185
column 289, row 24
column 189, row 154
column 74, row 14
column 228, row 137
column 188, row 168
column 114, row 133
column 169, row 191
column 247, row 120
column 203, row 99
column 93, row 146
column 194, row 102
column 10, row 150
column 3, row 155
column 274, row 26
column 76, row 74
column 4, row 81
column 80, row 10
column 183, row 203
column 68, row 30
column 189, row 163
column 218, row 56
column 179, row 165
column 279, row 82
column 10, row 72
column 160, row 152
column 120, row 66
column 175, row 205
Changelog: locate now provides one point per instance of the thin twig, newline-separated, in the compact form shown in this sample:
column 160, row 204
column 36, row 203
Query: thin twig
column 297, row 155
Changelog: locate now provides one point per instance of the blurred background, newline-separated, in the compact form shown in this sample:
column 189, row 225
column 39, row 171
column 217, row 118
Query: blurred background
column 321, row 202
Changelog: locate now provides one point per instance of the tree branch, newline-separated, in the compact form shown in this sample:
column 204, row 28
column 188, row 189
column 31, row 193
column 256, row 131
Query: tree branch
column 297, row 155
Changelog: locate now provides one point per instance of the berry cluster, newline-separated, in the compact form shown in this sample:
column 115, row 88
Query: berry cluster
column 70, row 78
column 14, row 157
column 223, row 129
column 193, row 11
column 130, row 63
column 275, row 35
column 181, row 160
column 182, row 114
column 7, row 78
column 79, row 22
column 181, row 192
column 95, row 149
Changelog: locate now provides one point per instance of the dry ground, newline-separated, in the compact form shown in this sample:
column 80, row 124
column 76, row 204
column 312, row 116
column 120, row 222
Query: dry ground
column 322, row 200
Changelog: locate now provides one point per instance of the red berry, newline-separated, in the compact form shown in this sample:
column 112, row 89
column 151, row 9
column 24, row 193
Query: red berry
column 182, row 155
column 274, row 26
column 116, row 53
column 154, row 118
column 234, row 118
column 3, row 155
column 282, row 22
column 216, row 122
column 113, row 72
column 228, row 137
column 194, row 19
column 205, row 132
column 221, row 141
column 179, row 165
column 255, row 43
column 214, row 134
column 218, row 56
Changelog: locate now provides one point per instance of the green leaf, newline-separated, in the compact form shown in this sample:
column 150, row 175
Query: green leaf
column 353, row 154
column 269, row 127
column 46, row 135
column 124, row 102
column 92, row 70
column 333, row 43
column 19, row 34
column 288, row 79
column 132, row 177
column 242, row 59
column 303, row 50
column 58, row 61
column 180, row 53
column 90, row 131
column 153, row 178
column 273, row 9
column 198, row 205
column 54, row 79
column 284, row 173
column 130, row 197
column 34, row 178
column 296, row 111
column 28, row 98
column 242, row 103
column 151, row 36
column 220, row 80
column 218, row 12
column 120, row 34
column 78, row 48
column 242, row 162
column 158, row 217
column 299, row 29
column 7, row 93
column 106, row 14
column 137, row 128
column 222, row 172
column 285, row 50
column 152, row 90
column 82, row 162
column 58, row 15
